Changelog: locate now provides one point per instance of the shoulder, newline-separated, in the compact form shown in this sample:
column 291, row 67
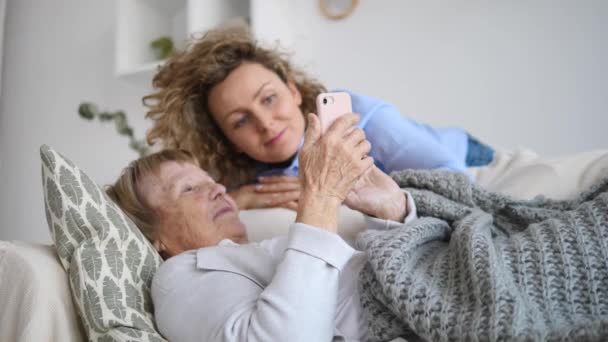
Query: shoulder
column 173, row 269
column 362, row 103
column 368, row 107
column 194, row 292
column 255, row 262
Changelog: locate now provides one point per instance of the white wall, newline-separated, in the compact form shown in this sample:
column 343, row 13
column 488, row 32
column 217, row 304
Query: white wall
column 2, row 16
column 515, row 73
column 57, row 54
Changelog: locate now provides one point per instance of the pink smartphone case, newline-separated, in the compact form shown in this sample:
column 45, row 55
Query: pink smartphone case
column 331, row 106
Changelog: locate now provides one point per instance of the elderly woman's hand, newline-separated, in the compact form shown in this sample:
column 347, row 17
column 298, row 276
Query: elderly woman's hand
column 330, row 165
column 377, row 194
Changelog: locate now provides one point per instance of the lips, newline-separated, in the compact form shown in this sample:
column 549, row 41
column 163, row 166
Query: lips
column 222, row 211
column 275, row 139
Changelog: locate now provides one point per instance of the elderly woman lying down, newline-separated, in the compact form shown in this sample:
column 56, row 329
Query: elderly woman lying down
column 215, row 286
column 476, row 266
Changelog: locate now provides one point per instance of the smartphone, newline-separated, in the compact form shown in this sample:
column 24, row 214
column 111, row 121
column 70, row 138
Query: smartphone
column 331, row 106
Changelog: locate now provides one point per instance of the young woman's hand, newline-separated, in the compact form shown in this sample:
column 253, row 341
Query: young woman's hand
column 377, row 194
column 282, row 187
column 272, row 192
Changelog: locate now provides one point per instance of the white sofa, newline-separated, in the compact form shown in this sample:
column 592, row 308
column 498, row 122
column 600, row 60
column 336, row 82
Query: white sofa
column 35, row 299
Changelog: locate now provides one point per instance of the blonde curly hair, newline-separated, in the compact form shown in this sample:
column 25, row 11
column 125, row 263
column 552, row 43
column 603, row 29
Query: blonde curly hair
column 179, row 106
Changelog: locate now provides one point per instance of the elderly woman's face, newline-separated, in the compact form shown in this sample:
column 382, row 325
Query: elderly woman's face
column 259, row 113
column 194, row 211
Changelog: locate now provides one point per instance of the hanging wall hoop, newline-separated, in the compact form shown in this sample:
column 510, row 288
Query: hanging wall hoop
column 333, row 14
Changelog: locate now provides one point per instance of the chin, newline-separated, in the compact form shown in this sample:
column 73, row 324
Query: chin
column 287, row 152
column 239, row 234
column 279, row 156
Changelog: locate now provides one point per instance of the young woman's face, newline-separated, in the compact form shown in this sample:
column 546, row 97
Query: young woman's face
column 259, row 113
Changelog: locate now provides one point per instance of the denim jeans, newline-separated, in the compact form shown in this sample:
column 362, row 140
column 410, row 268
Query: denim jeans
column 478, row 153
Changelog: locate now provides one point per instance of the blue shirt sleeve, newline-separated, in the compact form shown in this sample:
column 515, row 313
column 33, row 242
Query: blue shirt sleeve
column 401, row 143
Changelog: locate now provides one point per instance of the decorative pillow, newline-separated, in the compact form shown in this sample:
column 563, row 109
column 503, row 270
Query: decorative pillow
column 109, row 261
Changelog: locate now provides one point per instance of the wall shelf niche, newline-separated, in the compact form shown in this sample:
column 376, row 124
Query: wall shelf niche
column 139, row 22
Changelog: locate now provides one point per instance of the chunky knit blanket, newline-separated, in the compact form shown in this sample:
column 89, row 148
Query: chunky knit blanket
column 480, row 266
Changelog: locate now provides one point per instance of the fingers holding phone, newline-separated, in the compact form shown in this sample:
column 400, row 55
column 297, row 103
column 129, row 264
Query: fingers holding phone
column 331, row 106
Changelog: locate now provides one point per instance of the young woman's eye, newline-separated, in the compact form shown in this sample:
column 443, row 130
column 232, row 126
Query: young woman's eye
column 269, row 99
column 242, row 121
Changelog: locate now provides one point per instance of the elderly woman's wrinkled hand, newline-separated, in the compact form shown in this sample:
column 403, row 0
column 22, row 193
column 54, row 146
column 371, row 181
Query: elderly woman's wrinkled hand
column 377, row 194
column 331, row 164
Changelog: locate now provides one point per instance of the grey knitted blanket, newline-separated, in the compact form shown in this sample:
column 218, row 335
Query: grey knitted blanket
column 479, row 266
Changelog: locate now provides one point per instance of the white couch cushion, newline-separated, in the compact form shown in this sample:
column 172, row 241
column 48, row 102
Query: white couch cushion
column 267, row 223
column 35, row 297
column 524, row 174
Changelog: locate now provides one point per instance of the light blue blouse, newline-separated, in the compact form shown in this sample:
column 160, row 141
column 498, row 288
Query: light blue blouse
column 397, row 142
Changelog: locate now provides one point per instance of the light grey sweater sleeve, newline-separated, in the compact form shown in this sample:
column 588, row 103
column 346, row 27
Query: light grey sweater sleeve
column 298, row 304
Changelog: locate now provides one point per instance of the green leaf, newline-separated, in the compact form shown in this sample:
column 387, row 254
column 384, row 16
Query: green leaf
column 53, row 197
column 120, row 115
column 113, row 298
column 90, row 187
column 70, row 186
column 87, row 110
column 139, row 146
column 138, row 234
column 125, row 130
column 148, row 269
column 107, row 338
column 92, row 309
column 43, row 176
column 91, row 261
column 116, row 219
column 105, row 116
column 133, row 257
column 141, row 323
column 47, row 212
column 76, row 225
column 47, row 158
column 114, row 258
column 75, row 281
column 99, row 223
column 162, row 46
column 120, row 120
column 131, row 332
column 148, row 306
column 62, row 243
column 134, row 300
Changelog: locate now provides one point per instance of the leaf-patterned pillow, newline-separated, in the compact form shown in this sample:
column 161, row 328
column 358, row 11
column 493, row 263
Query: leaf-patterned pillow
column 109, row 261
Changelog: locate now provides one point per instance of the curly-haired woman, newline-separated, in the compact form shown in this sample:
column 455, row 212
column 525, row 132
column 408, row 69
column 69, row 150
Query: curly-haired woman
column 240, row 109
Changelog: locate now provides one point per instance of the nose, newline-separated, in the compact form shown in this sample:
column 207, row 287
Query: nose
column 216, row 190
column 265, row 121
